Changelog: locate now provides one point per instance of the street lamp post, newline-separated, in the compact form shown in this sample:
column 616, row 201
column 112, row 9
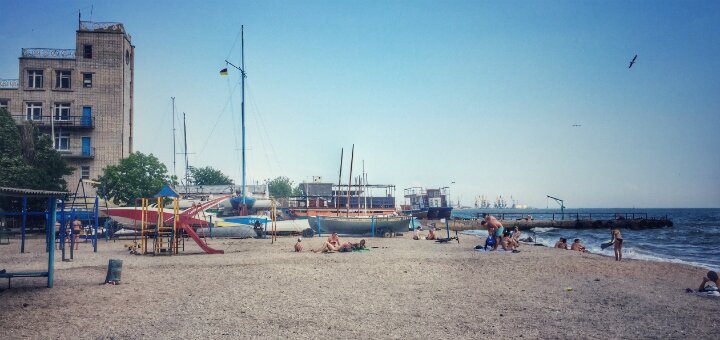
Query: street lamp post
column 243, row 75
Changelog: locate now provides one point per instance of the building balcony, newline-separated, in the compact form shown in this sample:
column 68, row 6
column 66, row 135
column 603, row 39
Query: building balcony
column 9, row 84
column 78, row 153
column 79, row 122
column 48, row 53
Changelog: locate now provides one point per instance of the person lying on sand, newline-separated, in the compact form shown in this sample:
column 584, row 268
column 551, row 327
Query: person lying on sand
column 577, row 246
column 343, row 248
column 708, row 281
column 431, row 234
column 359, row 246
column 298, row 245
column 327, row 247
column 561, row 244
column 349, row 246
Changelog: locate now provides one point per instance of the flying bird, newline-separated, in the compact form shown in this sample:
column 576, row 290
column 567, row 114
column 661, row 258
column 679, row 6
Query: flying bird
column 632, row 61
column 577, row 125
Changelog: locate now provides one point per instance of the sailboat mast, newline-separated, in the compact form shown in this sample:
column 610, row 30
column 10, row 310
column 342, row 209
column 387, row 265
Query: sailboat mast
column 352, row 158
column 174, row 152
column 187, row 177
column 242, row 106
column 337, row 193
column 365, row 185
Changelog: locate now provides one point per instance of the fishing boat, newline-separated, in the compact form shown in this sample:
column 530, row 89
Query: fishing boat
column 360, row 225
column 328, row 199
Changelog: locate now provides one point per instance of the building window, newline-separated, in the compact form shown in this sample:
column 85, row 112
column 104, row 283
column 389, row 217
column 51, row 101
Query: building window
column 62, row 79
column 4, row 104
column 33, row 110
column 87, row 79
column 35, row 79
column 87, row 51
column 127, row 57
column 62, row 141
column 85, row 172
column 62, row 111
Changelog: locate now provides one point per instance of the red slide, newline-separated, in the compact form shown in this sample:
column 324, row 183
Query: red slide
column 200, row 242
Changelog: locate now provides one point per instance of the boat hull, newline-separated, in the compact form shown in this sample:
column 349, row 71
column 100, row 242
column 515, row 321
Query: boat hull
column 360, row 225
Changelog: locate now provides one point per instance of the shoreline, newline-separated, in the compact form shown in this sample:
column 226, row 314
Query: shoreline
column 402, row 289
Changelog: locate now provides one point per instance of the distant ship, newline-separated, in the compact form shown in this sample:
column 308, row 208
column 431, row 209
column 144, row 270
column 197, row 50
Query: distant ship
column 427, row 203
column 500, row 203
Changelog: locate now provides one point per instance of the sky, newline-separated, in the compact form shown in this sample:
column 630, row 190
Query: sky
column 478, row 96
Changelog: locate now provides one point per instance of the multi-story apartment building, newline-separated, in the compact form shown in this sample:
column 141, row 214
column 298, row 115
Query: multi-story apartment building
column 82, row 96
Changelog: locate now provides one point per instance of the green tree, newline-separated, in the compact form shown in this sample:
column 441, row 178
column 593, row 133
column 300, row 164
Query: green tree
column 208, row 176
column 136, row 176
column 27, row 158
column 280, row 187
column 299, row 190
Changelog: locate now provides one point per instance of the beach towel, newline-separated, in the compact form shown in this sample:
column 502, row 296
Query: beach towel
column 501, row 251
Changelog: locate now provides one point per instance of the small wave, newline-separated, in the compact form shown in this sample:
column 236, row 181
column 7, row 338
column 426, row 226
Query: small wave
column 474, row 232
column 633, row 254
column 542, row 230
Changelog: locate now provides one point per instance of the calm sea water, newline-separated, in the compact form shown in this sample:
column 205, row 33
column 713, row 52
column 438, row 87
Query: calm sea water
column 694, row 239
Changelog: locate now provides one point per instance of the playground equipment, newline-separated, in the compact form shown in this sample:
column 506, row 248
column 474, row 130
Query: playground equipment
column 166, row 231
column 50, row 218
column 163, row 236
column 79, row 218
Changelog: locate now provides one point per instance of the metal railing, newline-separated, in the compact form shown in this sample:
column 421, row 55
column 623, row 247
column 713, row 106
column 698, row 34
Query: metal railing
column 48, row 53
column 567, row 216
column 78, row 153
column 68, row 121
column 91, row 26
column 10, row 84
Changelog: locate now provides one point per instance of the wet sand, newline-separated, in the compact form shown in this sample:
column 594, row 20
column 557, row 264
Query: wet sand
column 402, row 289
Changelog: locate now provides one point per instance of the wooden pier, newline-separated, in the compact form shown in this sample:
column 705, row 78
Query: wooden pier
column 456, row 224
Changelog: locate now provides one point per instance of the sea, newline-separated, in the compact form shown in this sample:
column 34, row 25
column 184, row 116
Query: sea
column 693, row 239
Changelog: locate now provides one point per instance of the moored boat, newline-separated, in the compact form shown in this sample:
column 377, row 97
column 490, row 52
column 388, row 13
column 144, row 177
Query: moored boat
column 360, row 225
column 427, row 203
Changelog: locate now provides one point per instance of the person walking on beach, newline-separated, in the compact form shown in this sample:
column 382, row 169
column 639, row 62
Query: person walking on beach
column 617, row 241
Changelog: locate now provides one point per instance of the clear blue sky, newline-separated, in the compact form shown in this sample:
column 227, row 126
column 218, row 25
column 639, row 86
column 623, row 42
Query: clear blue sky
column 480, row 93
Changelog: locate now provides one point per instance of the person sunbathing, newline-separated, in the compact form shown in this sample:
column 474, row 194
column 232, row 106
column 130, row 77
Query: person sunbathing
column 343, row 248
column 516, row 235
column 561, row 244
column 577, row 246
column 416, row 233
column 327, row 247
column 359, row 246
column 334, row 240
column 431, row 234
column 298, row 246
column 708, row 280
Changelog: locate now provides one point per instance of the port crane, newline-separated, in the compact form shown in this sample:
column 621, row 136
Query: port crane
column 562, row 205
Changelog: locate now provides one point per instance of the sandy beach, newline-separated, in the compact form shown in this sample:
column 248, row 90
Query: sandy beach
column 401, row 289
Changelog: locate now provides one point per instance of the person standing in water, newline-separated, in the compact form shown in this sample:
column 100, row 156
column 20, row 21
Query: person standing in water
column 617, row 242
